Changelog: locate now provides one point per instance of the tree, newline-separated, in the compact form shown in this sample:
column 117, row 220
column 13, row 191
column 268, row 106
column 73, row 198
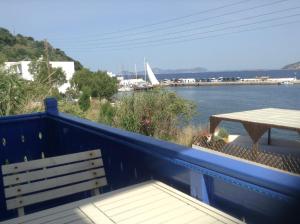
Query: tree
column 81, row 79
column 54, row 77
column 103, row 86
column 19, row 47
column 12, row 92
column 71, row 94
column 2, row 60
column 6, row 38
column 98, row 83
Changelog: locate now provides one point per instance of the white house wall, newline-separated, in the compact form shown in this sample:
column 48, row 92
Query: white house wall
column 67, row 66
column 69, row 69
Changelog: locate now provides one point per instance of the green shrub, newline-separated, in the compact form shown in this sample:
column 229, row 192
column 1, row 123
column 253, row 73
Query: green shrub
column 155, row 113
column 223, row 133
column 106, row 113
column 12, row 92
column 70, row 108
column 84, row 101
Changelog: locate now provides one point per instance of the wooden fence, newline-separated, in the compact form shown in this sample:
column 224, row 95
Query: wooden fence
column 288, row 163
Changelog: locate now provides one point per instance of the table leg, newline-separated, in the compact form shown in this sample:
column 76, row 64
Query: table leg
column 269, row 136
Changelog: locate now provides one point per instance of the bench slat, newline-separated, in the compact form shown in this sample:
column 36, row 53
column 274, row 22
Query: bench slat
column 51, row 172
column 53, row 182
column 55, row 193
column 51, row 161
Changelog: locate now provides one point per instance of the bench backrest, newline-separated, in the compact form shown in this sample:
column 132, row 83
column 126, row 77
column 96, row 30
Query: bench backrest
column 35, row 181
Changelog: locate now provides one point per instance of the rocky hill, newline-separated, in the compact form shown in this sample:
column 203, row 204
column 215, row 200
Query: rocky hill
column 19, row 47
column 292, row 66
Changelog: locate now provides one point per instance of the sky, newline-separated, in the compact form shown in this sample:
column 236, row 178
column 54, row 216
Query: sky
column 115, row 35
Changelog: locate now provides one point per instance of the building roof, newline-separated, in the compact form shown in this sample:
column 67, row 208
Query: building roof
column 258, row 121
column 279, row 118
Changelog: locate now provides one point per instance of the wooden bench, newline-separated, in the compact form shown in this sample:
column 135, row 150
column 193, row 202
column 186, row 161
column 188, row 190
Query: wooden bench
column 36, row 181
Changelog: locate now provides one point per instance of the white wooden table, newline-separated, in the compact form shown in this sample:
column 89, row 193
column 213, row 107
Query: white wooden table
column 149, row 202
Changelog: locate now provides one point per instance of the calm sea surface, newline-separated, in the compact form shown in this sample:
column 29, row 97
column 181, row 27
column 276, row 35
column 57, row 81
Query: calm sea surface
column 224, row 99
column 228, row 74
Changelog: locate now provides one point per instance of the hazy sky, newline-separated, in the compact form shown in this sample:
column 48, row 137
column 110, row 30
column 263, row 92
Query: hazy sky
column 116, row 34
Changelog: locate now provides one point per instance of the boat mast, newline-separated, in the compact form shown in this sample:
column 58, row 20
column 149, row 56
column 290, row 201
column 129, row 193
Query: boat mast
column 135, row 71
column 145, row 69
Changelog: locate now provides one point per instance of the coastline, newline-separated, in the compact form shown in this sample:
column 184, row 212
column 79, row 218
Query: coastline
column 173, row 84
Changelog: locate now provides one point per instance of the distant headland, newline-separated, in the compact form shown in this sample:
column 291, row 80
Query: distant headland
column 294, row 66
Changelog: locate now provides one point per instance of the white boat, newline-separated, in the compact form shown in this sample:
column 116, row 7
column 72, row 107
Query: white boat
column 152, row 78
column 125, row 89
column 286, row 83
column 139, row 84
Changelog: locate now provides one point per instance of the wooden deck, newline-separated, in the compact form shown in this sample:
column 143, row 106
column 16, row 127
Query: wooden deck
column 149, row 202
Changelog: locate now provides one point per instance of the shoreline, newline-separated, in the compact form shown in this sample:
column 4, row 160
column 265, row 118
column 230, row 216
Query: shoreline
column 228, row 83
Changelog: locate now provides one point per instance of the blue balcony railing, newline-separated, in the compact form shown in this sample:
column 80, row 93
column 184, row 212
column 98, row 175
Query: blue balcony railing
column 247, row 191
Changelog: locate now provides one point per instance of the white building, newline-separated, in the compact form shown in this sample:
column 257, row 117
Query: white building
column 186, row 81
column 22, row 68
column 291, row 79
column 278, row 80
column 213, row 80
column 120, row 78
column 110, row 74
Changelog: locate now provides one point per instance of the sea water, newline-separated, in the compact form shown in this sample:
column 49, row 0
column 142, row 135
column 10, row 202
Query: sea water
column 212, row 100
column 230, row 74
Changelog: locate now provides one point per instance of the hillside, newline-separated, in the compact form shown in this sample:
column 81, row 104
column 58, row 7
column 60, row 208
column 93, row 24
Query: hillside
column 292, row 66
column 19, row 47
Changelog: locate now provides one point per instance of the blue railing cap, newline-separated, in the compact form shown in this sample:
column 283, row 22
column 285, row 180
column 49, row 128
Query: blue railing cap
column 51, row 105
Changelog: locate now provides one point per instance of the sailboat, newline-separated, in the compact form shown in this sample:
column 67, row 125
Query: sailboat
column 139, row 84
column 152, row 78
